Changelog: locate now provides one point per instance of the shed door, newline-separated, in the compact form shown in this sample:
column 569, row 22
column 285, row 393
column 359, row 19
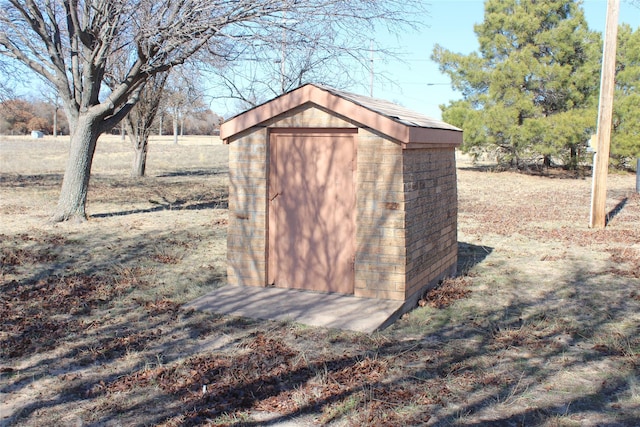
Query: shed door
column 312, row 211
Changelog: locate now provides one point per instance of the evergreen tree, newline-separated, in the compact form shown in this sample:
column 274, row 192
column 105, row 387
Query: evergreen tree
column 625, row 139
column 531, row 90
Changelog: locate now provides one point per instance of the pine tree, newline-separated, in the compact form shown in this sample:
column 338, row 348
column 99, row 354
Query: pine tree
column 625, row 140
column 530, row 92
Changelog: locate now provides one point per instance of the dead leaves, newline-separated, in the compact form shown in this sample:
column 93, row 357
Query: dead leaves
column 165, row 258
column 540, row 209
column 447, row 292
column 35, row 315
column 627, row 262
column 266, row 374
column 13, row 255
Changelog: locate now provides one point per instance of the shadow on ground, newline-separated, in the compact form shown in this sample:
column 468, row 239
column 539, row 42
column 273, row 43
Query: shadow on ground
column 470, row 255
column 197, row 172
column 220, row 202
column 93, row 334
column 87, row 324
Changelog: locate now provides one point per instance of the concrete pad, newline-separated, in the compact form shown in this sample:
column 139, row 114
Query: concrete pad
column 311, row 308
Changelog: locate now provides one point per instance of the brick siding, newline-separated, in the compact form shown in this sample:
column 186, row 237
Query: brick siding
column 431, row 212
column 380, row 237
column 406, row 209
column 246, row 233
column 406, row 218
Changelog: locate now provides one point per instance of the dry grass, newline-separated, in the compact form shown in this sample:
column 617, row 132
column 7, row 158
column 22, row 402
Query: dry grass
column 542, row 328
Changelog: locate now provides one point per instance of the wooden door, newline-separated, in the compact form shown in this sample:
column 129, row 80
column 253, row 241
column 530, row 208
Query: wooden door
column 312, row 211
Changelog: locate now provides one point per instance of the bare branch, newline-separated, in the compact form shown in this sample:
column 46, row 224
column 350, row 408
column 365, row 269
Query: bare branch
column 100, row 53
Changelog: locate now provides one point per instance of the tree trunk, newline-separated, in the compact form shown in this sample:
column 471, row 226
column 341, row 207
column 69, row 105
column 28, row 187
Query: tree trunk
column 140, row 158
column 175, row 130
column 160, row 126
column 75, row 184
column 638, row 175
column 573, row 163
column 55, row 121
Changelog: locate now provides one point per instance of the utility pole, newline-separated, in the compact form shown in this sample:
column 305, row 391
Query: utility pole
column 605, row 117
column 638, row 175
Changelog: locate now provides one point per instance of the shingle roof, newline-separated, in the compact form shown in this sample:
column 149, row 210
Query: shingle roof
column 399, row 123
column 389, row 109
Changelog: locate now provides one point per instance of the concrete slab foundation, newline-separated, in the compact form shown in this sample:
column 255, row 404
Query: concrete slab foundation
column 311, row 308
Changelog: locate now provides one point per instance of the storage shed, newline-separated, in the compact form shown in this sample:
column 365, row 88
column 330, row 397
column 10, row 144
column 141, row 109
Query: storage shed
column 336, row 192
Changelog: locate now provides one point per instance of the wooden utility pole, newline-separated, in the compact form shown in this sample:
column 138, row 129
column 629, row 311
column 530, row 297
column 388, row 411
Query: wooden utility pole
column 638, row 175
column 605, row 118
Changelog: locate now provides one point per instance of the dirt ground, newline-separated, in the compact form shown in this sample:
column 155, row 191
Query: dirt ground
column 542, row 326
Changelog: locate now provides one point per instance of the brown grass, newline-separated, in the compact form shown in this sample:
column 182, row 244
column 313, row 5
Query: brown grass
column 541, row 328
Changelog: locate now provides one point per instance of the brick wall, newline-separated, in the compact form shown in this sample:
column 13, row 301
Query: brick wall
column 309, row 116
column 406, row 218
column 246, row 235
column 431, row 216
column 380, row 240
column 406, row 202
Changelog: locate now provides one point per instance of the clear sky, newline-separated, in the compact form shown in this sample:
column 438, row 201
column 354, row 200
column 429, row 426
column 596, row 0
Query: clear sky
column 419, row 84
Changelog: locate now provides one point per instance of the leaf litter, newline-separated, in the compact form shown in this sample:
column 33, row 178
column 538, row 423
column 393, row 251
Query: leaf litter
column 108, row 336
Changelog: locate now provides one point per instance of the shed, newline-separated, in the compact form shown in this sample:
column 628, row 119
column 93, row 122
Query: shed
column 336, row 192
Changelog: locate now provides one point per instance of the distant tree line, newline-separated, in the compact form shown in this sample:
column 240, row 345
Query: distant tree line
column 20, row 116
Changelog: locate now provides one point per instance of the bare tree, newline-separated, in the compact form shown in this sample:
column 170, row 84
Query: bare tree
column 12, row 77
column 50, row 94
column 304, row 51
column 139, row 120
column 72, row 43
column 181, row 95
column 202, row 121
